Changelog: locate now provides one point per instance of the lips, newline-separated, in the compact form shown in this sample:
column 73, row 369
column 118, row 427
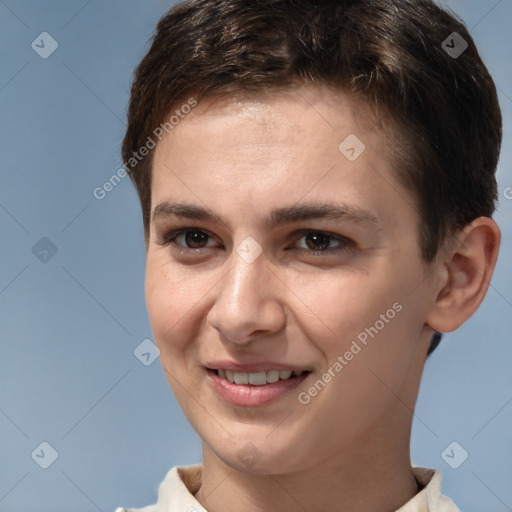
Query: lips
column 255, row 384
column 257, row 378
column 253, row 367
column 257, row 373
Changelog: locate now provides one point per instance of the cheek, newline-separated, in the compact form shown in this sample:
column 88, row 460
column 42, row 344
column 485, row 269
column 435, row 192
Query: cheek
column 340, row 305
column 378, row 336
column 370, row 319
column 173, row 301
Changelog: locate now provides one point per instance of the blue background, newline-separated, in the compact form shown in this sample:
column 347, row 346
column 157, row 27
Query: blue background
column 70, row 325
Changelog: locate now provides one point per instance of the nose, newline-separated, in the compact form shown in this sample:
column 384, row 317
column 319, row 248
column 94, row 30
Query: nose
column 249, row 301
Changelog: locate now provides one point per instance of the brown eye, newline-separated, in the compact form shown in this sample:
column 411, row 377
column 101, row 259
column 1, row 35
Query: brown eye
column 319, row 242
column 186, row 238
column 195, row 239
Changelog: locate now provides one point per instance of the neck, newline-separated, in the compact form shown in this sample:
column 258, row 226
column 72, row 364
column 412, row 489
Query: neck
column 373, row 476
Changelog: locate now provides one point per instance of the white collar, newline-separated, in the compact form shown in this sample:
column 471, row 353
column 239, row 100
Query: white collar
column 176, row 492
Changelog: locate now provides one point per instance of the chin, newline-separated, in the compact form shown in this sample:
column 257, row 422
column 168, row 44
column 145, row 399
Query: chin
column 257, row 456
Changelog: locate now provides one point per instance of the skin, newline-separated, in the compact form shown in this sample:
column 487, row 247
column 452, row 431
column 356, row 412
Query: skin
column 348, row 448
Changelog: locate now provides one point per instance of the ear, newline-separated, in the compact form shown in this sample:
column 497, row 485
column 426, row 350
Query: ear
column 466, row 271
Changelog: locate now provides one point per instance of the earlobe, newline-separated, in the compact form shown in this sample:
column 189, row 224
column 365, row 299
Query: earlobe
column 468, row 270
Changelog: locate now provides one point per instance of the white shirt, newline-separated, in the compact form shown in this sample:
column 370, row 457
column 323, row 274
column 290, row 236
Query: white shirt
column 176, row 492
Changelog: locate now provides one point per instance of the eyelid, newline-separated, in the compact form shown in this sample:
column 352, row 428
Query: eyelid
column 168, row 237
column 345, row 243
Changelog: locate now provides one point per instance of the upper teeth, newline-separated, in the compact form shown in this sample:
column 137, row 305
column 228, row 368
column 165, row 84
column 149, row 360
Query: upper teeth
column 257, row 378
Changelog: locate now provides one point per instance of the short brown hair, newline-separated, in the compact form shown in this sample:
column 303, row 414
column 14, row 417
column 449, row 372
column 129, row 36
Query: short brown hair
column 392, row 53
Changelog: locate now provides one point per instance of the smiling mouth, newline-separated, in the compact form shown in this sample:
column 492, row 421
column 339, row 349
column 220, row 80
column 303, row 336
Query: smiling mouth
column 257, row 378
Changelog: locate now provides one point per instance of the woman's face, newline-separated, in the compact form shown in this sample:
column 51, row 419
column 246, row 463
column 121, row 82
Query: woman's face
column 278, row 242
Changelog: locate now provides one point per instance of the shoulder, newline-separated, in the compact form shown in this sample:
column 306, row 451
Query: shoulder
column 176, row 491
column 430, row 497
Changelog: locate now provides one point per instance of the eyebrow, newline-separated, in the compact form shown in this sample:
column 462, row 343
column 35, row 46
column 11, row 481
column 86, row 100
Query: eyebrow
column 289, row 214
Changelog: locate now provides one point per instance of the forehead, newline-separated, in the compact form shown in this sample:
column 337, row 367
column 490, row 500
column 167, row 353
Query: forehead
column 299, row 104
column 305, row 122
column 308, row 143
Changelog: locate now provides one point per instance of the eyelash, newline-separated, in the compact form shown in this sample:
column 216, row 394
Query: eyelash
column 345, row 243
